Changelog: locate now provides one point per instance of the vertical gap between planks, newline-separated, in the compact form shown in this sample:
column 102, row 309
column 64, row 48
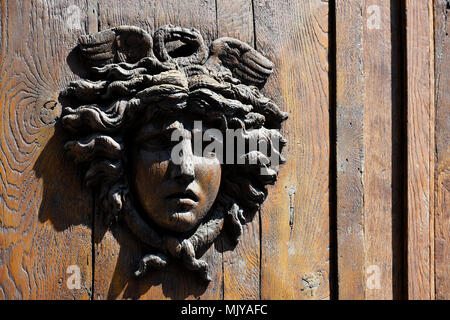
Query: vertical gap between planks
column 406, row 205
column 98, row 17
column 333, row 277
column 217, row 34
column 399, row 147
column 254, row 26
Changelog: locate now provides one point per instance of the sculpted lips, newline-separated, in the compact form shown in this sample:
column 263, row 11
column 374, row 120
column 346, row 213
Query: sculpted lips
column 185, row 197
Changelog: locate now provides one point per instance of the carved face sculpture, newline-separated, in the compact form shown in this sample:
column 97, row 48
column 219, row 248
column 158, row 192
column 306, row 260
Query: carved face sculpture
column 176, row 195
column 124, row 114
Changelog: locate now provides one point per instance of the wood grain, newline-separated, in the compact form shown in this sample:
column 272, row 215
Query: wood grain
column 295, row 218
column 420, row 131
column 377, row 175
column 235, row 19
column 442, row 175
column 117, row 251
column 45, row 212
column 241, row 264
column 350, row 150
column 364, row 149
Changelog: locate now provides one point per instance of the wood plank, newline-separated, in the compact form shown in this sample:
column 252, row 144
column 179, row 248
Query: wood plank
column 377, row 175
column 295, row 218
column 116, row 250
column 420, row 131
column 241, row 264
column 45, row 212
column 442, row 177
column 350, row 149
column 364, row 149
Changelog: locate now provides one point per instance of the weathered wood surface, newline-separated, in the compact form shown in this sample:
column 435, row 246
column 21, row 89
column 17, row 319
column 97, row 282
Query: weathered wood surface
column 377, row 174
column 350, row 149
column 442, row 177
column 235, row 19
column 44, row 228
column 364, row 149
column 241, row 264
column 420, row 142
column 295, row 218
column 284, row 252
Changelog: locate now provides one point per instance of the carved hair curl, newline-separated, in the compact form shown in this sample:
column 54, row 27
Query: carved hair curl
column 126, row 87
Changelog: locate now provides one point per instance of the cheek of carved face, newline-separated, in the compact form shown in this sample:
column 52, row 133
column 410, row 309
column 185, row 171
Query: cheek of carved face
column 174, row 193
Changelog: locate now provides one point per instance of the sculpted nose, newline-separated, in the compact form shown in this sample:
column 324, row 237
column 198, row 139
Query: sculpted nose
column 183, row 168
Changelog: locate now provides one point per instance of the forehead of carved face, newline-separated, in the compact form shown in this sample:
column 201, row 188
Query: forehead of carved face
column 176, row 187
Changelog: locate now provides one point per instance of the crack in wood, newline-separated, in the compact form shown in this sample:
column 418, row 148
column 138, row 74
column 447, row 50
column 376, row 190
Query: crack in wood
column 291, row 193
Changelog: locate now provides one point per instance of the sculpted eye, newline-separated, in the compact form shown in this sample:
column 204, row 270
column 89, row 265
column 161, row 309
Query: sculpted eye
column 156, row 142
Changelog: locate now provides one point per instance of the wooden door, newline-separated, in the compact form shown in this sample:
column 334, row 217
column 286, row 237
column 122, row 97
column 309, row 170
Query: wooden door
column 359, row 210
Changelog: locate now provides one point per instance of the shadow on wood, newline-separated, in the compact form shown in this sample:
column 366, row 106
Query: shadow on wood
column 58, row 171
column 176, row 282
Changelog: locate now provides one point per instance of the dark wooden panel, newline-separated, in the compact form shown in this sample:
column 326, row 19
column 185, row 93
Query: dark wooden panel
column 295, row 218
column 45, row 213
